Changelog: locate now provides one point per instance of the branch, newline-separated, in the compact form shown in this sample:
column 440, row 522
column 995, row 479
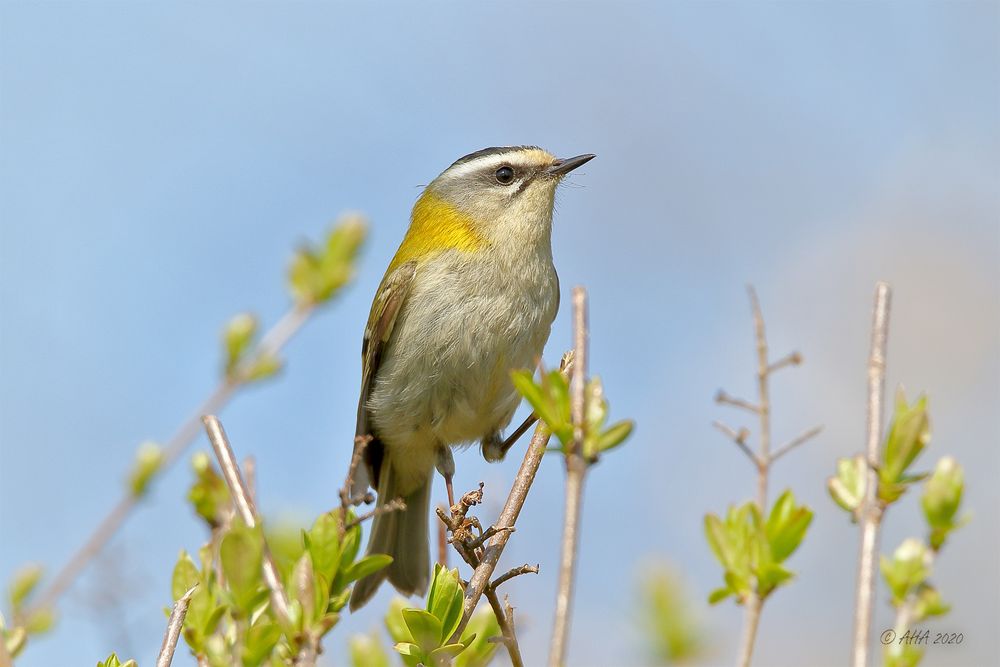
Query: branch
column 505, row 618
column 271, row 344
column 514, row 572
column 247, row 511
column 394, row 505
column 725, row 399
column 740, row 438
column 795, row 442
column 871, row 514
column 174, row 626
column 576, row 469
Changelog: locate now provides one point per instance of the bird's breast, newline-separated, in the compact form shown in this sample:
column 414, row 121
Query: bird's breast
column 469, row 319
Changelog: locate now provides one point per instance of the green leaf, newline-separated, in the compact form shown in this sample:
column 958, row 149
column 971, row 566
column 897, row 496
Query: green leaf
column 424, row 627
column 942, row 498
column 304, row 590
column 367, row 651
column 241, row 554
column 39, row 621
column 236, row 339
column 148, row 460
column 394, row 622
column 349, row 545
column 260, row 640
column 323, row 543
column 479, row 650
column 262, row 367
column 718, row 595
column 445, row 654
column 208, row 493
column 316, row 274
column 184, row 577
column 23, row 583
column 113, row 661
column 445, row 599
column 615, row 435
column 908, row 435
column 770, row 577
column 367, row 565
column 847, row 487
column 908, row 569
column 786, row 526
column 928, row 603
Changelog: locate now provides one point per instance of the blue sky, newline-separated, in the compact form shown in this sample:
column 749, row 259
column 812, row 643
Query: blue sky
column 158, row 163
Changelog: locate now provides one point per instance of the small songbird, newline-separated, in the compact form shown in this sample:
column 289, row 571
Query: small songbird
column 470, row 295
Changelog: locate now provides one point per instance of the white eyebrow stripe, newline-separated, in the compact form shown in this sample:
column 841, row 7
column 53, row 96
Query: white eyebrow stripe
column 513, row 158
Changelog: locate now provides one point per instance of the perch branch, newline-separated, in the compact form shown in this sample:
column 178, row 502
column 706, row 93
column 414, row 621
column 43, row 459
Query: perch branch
column 576, row 469
column 246, row 509
column 740, row 438
column 871, row 515
column 174, row 626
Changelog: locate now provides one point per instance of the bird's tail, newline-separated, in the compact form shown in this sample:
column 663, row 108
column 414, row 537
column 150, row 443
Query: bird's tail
column 401, row 534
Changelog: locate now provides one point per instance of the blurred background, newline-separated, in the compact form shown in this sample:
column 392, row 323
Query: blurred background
column 159, row 164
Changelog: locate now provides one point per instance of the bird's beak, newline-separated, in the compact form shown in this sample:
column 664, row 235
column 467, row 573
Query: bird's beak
column 563, row 166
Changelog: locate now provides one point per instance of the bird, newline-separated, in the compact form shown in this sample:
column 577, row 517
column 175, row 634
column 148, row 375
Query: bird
column 470, row 295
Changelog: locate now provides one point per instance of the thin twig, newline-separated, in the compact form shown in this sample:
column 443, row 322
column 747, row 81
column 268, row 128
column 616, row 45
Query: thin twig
column 795, row 442
column 576, row 469
column 514, row 572
column 740, row 438
column 751, row 620
column 791, row 359
column 174, row 626
column 394, row 505
column 725, row 399
column 763, row 399
column 508, row 517
column 247, row 510
column 271, row 344
column 506, row 623
column 871, row 515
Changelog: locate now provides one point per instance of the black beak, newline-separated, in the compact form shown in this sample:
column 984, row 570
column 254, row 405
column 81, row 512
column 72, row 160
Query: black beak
column 562, row 167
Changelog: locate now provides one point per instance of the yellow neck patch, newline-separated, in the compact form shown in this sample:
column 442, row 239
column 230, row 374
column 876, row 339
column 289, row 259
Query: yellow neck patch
column 436, row 225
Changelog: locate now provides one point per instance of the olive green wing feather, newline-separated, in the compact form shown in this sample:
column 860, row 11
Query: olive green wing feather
column 388, row 303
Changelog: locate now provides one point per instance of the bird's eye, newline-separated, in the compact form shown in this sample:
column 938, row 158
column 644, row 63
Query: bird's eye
column 505, row 175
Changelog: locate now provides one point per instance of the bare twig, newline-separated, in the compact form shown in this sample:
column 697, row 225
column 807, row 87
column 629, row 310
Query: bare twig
column 751, row 620
column 505, row 619
column 763, row 399
column 795, row 442
column 576, row 469
column 394, row 505
column 791, row 359
column 247, row 510
column 174, row 626
column 270, row 344
column 740, row 438
column 871, row 515
column 722, row 398
column 514, row 572
column 508, row 517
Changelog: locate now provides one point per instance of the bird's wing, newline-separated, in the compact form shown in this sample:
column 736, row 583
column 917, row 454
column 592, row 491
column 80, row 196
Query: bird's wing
column 387, row 304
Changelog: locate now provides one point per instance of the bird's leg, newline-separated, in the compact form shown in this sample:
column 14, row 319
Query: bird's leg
column 445, row 465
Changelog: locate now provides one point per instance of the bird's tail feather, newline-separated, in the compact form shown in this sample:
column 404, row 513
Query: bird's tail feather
column 402, row 534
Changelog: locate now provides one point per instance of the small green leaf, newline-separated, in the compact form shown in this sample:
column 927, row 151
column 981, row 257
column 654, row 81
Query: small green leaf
column 241, row 555
column 786, row 526
column 906, row 570
column 184, row 577
column 942, row 498
column 208, row 493
column 262, row 367
column 23, row 583
column 424, row 627
column 366, row 651
column 148, row 460
column 323, row 543
column 236, row 339
column 394, row 622
column 445, row 654
column 718, row 595
column 615, row 435
column 479, row 650
column 908, row 434
column 366, row 566
column 304, row 589
column 445, row 599
column 847, row 487
column 39, row 621
column 260, row 640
